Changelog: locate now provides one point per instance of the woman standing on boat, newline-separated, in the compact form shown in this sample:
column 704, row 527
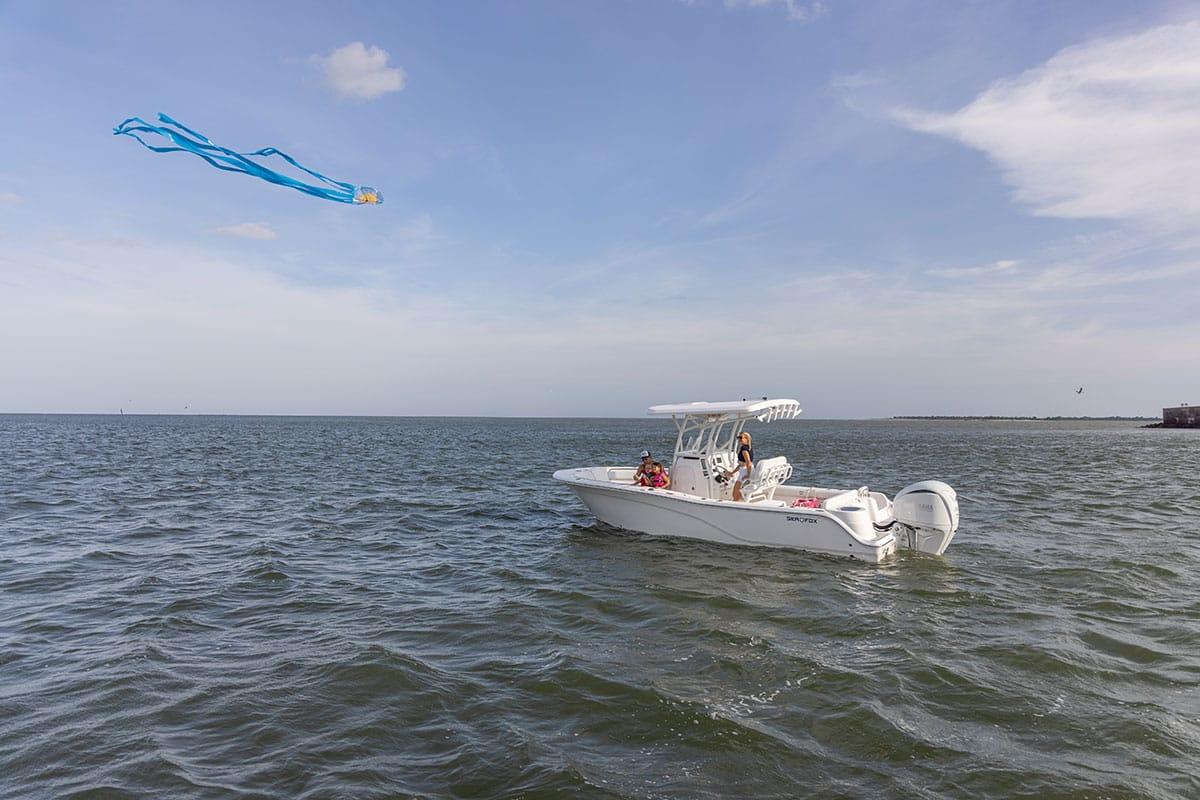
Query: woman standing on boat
column 745, row 463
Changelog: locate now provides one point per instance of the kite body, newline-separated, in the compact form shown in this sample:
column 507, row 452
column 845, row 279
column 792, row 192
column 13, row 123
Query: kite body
column 185, row 139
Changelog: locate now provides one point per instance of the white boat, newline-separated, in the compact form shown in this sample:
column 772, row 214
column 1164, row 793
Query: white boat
column 857, row 523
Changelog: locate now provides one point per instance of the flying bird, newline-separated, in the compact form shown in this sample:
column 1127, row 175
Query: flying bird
column 184, row 139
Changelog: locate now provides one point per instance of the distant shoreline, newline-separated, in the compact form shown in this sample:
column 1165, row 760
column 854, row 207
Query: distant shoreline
column 974, row 418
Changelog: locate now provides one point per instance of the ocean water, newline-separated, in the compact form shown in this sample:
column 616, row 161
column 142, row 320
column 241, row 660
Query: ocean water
column 227, row 607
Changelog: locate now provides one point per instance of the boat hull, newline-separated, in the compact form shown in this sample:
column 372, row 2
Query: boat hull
column 674, row 514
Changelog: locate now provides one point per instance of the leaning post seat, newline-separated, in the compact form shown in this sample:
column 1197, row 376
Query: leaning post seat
column 765, row 478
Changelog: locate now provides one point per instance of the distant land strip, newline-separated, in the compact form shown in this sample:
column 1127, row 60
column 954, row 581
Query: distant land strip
column 1032, row 419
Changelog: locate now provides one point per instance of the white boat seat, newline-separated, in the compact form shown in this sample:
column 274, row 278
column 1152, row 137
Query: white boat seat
column 851, row 497
column 765, row 479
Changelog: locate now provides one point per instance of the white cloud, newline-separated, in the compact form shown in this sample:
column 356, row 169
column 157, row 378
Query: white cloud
column 1077, row 277
column 856, row 80
column 1109, row 129
column 417, row 236
column 9, row 198
column 996, row 267
column 250, row 230
column 124, row 331
column 361, row 72
column 419, row 228
column 796, row 10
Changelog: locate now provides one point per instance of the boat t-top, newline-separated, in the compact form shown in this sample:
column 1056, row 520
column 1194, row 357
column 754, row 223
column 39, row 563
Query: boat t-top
column 772, row 513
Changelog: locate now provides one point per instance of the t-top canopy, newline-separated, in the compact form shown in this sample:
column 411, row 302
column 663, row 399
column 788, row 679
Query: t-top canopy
column 733, row 409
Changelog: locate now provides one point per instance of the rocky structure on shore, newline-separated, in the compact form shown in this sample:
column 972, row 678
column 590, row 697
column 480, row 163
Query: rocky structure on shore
column 1182, row 416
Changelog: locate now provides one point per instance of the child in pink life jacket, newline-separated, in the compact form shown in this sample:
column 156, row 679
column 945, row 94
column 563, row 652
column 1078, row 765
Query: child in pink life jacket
column 659, row 479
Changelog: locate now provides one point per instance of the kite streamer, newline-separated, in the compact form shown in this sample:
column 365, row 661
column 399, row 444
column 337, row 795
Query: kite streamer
column 187, row 140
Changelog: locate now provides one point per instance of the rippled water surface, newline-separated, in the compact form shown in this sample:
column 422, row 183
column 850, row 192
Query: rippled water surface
column 305, row 607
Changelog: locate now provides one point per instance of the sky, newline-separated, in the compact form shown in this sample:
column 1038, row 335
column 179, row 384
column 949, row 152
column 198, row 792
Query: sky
column 875, row 208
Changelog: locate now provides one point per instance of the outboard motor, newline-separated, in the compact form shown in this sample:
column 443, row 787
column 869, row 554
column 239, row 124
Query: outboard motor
column 928, row 514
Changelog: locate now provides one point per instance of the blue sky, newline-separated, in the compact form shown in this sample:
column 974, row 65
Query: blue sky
column 876, row 208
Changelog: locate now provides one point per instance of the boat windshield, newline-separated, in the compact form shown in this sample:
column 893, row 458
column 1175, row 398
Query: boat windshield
column 702, row 437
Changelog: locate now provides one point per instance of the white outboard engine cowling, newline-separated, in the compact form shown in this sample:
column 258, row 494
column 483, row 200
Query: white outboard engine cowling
column 928, row 514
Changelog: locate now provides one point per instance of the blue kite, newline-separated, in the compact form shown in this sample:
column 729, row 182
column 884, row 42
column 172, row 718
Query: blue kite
column 188, row 140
